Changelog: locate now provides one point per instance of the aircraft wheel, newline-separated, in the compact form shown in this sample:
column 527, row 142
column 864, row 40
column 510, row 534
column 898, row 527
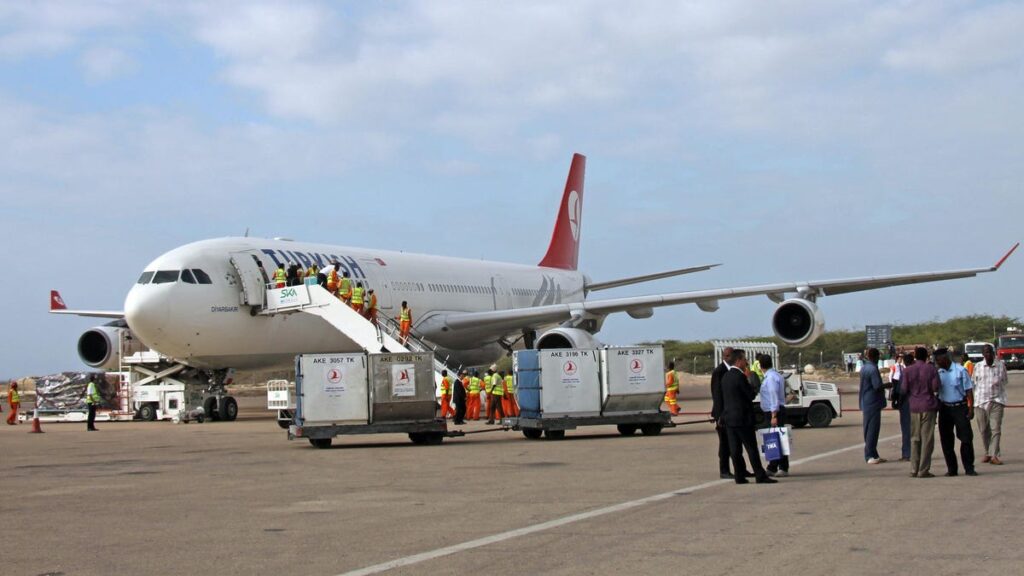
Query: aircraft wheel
column 210, row 408
column 819, row 415
column 627, row 429
column 650, row 429
column 532, row 433
column 228, row 409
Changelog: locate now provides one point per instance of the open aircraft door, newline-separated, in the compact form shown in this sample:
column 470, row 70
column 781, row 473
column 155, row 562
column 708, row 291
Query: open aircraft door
column 378, row 280
column 251, row 277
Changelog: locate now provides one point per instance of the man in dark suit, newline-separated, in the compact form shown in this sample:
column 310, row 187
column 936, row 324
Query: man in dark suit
column 716, row 414
column 738, row 404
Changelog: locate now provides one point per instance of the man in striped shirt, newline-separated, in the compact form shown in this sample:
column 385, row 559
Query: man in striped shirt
column 989, row 401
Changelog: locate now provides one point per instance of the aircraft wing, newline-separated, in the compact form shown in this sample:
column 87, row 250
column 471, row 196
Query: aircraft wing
column 707, row 300
column 57, row 307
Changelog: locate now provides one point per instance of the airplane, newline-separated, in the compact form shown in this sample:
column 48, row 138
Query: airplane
column 196, row 304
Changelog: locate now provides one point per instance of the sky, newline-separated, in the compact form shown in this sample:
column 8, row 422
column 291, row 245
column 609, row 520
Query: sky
column 791, row 140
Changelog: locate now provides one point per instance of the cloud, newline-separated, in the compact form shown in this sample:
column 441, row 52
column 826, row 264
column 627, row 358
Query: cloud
column 101, row 64
column 31, row 28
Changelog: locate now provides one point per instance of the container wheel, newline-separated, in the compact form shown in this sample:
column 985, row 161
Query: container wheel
column 650, row 429
column 418, row 438
column 228, row 409
column 627, row 429
column 819, row 415
column 210, row 408
column 434, row 438
column 321, row 443
column 533, row 433
column 284, row 424
column 147, row 412
column 554, row 434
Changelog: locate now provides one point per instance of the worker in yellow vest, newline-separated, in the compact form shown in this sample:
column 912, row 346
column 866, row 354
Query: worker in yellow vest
column 280, row 277
column 371, row 307
column 345, row 288
column 14, row 400
column 358, row 297
column 672, row 388
column 312, row 271
column 93, row 399
column 473, row 401
column 495, row 396
column 509, row 403
column 404, row 322
column 446, row 395
column 333, row 280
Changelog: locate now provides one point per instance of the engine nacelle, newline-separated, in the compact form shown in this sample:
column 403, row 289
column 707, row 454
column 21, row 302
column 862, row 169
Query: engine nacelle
column 101, row 347
column 798, row 322
column 558, row 338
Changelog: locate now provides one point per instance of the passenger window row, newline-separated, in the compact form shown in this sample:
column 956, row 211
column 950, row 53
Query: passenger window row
column 460, row 288
column 188, row 276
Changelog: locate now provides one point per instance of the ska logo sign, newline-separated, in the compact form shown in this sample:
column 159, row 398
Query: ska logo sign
column 334, row 376
column 575, row 208
column 570, row 368
column 289, row 293
column 636, row 366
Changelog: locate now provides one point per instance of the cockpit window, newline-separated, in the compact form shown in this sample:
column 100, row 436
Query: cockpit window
column 166, row 276
column 146, row 277
column 201, row 277
column 186, row 276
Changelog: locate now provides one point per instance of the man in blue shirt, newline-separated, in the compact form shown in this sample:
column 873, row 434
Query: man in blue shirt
column 872, row 401
column 956, row 410
column 773, row 403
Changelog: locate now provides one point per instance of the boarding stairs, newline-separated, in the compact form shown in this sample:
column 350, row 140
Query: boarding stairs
column 382, row 336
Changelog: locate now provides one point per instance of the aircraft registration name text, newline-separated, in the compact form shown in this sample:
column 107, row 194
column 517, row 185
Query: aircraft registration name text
column 223, row 308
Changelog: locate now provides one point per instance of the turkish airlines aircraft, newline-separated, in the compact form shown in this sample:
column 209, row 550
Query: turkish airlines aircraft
column 200, row 304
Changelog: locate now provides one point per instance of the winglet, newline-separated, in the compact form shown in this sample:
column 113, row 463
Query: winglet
column 1003, row 259
column 56, row 302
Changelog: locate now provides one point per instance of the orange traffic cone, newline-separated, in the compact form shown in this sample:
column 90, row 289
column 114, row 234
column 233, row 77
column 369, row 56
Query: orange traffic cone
column 36, row 428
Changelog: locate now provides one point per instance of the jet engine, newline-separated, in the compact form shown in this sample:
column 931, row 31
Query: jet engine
column 798, row 322
column 101, row 347
column 557, row 338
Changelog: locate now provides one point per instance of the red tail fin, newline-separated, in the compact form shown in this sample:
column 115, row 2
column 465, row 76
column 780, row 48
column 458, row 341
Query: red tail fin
column 564, row 250
column 56, row 302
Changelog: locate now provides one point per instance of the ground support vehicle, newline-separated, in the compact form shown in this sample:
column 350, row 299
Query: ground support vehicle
column 561, row 390
column 355, row 394
column 807, row 402
column 1010, row 349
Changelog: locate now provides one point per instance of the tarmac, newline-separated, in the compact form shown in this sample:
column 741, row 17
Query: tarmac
column 239, row 498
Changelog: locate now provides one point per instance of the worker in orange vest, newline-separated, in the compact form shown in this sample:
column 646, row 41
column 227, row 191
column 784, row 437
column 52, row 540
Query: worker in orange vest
column 405, row 323
column 345, row 288
column 509, row 403
column 672, row 388
column 14, row 399
column 371, row 307
column 446, row 395
column 358, row 297
column 333, row 280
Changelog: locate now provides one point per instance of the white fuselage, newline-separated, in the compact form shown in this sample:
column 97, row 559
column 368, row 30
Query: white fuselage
column 206, row 325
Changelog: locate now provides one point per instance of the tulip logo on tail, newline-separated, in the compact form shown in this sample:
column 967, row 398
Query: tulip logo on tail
column 575, row 212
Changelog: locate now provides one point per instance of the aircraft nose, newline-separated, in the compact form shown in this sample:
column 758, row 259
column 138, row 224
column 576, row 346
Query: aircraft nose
column 146, row 310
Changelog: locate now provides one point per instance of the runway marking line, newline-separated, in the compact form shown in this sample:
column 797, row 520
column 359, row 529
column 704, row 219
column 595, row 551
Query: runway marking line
column 571, row 519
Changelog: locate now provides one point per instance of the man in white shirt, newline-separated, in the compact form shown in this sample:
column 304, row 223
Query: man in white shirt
column 989, row 402
column 773, row 403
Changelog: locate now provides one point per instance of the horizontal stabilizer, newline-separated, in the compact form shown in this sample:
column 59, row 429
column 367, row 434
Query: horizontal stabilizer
column 57, row 306
column 647, row 278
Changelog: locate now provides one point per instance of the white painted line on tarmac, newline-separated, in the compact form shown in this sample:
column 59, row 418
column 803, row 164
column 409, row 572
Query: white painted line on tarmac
column 571, row 519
